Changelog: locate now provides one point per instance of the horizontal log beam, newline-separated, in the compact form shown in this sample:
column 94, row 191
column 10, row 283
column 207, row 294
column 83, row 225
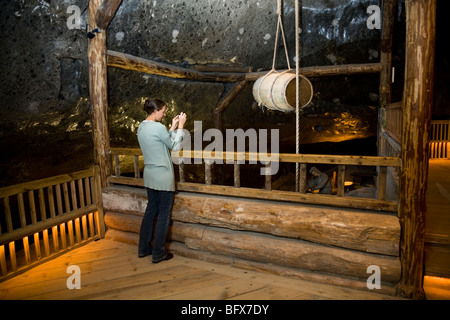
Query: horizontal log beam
column 129, row 62
column 294, row 253
column 363, row 231
column 282, row 157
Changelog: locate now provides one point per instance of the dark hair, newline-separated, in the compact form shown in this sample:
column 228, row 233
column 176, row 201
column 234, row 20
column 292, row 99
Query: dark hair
column 151, row 105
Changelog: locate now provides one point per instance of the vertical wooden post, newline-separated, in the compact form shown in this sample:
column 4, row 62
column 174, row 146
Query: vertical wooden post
column 98, row 92
column 418, row 101
column 387, row 35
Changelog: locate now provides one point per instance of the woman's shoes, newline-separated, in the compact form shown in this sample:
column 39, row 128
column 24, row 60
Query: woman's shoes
column 142, row 255
column 167, row 257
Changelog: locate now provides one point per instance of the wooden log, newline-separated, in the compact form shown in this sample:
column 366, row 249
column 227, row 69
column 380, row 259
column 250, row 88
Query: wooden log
column 294, row 253
column 131, row 223
column 418, row 102
column 129, row 62
column 98, row 94
column 365, row 231
column 106, row 12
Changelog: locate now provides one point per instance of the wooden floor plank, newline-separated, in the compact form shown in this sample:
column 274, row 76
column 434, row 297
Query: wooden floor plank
column 111, row 270
column 185, row 282
column 219, row 291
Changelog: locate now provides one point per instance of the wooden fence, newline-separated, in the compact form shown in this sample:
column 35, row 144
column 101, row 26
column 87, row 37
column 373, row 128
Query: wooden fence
column 42, row 218
column 390, row 139
column 440, row 139
column 339, row 199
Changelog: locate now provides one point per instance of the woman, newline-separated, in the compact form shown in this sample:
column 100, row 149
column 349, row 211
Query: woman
column 159, row 180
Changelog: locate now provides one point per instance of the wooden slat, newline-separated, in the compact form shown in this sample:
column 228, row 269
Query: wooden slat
column 70, row 232
column 237, row 175
column 42, row 208
column 77, row 230
column 81, row 193
column 32, row 206
column 55, row 237
column 51, row 202
column 59, row 199
column 73, row 195
column 381, row 183
column 46, row 242
column 37, row 245
column 341, row 181
column 84, row 227
column 9, row 225
column 12, row 255
column 26, row 250
column 3, row 267
column 23, row 220
column 87, row 188
column 62, row 229
column 137, row 173
column 181, row 171
column 91, row 224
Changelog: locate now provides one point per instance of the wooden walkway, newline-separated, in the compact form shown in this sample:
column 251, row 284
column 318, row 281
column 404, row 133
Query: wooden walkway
column 112, row 270
column 437, row 223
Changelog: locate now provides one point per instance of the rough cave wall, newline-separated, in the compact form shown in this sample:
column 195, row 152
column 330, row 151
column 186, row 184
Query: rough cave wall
column 45, row 124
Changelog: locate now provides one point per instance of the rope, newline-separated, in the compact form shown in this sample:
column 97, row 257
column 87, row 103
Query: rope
column 297, row 92
column 280, row 26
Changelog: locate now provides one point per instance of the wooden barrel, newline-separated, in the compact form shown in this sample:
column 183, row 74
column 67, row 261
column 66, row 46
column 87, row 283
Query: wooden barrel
column 276, row 91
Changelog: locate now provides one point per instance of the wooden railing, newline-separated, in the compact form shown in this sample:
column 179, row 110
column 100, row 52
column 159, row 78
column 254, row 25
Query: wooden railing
column 440, row 139
column 42, row 218
column 390, row 138
column 304, row 160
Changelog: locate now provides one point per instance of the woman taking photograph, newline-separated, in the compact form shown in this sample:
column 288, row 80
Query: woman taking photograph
column 159, row 180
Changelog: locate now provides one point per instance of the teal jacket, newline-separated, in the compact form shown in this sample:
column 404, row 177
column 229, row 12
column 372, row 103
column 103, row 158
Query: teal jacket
column 155, row 142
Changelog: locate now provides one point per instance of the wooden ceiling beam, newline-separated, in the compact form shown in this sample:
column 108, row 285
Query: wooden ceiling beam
column 129, row 62
column 106, row 12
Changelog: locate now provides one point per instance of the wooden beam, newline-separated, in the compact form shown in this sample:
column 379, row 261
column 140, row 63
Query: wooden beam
column 129, row 62
column 106, row 12
column 98, row 94
column 389, row 10
column 418, row 102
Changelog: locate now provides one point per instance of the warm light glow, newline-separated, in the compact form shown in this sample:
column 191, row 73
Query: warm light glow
column 436, row 288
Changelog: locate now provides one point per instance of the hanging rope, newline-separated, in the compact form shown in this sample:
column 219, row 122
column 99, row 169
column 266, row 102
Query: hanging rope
column 297, row 92
column 280, row 27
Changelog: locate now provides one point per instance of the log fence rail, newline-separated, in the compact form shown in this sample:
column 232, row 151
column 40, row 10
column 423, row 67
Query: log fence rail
column 342, row 162
column 46, row 217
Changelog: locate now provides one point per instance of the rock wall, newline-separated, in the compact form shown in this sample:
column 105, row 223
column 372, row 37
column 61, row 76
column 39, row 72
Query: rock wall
column 45, row 126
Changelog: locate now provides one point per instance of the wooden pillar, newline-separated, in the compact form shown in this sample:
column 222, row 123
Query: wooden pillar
column 387, row 35
column 106, row 12
column 98, row 93
column 418, row 101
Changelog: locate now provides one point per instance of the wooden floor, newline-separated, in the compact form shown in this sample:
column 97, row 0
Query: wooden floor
column 437, row 219
column 112, row 270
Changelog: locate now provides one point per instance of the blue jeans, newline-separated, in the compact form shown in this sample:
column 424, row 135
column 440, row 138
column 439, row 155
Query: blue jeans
column 159, row 205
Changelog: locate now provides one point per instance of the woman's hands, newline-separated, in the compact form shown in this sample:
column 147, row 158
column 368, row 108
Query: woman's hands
column 178, row 121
